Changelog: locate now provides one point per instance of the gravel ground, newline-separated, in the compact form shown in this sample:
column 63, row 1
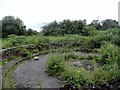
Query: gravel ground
column 31, row 74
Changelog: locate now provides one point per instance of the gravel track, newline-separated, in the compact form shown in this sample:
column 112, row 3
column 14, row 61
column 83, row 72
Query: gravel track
column 31, row 74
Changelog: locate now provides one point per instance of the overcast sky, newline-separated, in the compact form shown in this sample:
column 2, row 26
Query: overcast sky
column 36, row 12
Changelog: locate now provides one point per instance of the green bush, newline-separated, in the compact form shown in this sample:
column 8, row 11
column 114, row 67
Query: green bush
column 89, row 31
column 106, row 73
column 55, row 64
column 16, row 40
column 109, row 53
column 116, row 40
column 77, row 77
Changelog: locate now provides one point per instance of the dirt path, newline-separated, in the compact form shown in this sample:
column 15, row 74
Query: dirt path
column 32, row 75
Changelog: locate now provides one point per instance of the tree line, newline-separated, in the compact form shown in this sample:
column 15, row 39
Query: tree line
column 11, row 25
column 77, row 26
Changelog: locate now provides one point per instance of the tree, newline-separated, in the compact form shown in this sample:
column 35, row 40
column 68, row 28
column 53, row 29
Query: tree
column 31, row 32
column 109, row 23
column 96, row 24
column 22, row 27
column 51, row 28
column 64, row 27
column 12, row 25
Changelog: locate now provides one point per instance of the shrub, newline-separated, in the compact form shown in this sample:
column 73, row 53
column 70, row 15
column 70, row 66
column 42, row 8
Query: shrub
column 89, row 31
column 116, row 40
column 106, row 73
column 55, row 64
column 77, row 77
column 16, row 40
column 109, row 53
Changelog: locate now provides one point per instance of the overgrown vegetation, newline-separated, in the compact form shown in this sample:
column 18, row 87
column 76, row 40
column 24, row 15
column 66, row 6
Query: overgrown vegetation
column 105, row 64
column 68, row 36
column 60, row 65
column 87, row 43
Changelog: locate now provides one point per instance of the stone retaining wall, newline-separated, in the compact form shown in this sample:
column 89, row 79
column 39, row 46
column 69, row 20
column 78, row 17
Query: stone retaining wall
column 7, row 53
